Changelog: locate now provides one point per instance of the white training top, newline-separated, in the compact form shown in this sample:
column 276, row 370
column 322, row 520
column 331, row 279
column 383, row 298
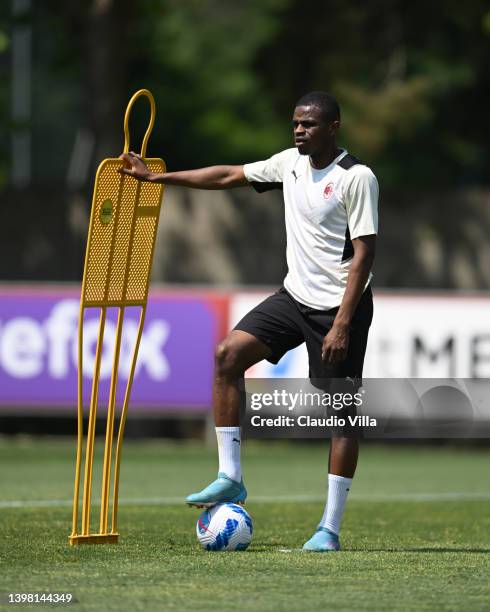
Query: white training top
column 325, row 209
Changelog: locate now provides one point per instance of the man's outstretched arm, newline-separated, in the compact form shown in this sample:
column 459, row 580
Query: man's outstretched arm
column 214, row 177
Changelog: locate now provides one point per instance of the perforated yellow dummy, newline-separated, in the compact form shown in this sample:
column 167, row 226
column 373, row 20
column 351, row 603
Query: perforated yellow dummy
column 118, row 261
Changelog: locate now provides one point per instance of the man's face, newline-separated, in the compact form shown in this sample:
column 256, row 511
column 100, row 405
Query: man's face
column 312, row 133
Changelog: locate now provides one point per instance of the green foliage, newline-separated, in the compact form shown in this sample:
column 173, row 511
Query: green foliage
column 411, row 78
column 201, row 56
column 226, row 76
column 4, row 41
column 375, row 117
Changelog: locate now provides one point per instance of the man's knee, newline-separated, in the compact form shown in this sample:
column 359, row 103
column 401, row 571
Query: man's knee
column 227, row 358
column 238, row 352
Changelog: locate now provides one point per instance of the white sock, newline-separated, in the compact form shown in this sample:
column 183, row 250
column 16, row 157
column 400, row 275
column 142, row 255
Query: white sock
column 229, row 443
column 338, row 489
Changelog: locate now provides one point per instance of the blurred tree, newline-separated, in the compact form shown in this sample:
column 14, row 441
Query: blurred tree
column 411, row 77
column 197, row 56
column 5, row 43
column 226, row 76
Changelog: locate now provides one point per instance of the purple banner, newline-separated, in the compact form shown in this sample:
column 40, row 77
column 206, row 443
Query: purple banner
column 39, row 345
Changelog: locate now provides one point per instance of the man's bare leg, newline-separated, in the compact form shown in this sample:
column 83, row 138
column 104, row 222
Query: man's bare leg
column 238, row 352
column 234, row 356
column 342, row 460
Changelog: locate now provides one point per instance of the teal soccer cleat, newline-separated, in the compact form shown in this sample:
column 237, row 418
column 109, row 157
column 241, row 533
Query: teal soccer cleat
column 222, row 490
column 322, row 540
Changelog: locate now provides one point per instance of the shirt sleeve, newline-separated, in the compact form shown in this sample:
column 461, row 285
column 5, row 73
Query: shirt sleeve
column 362, row 202
column 269, row 172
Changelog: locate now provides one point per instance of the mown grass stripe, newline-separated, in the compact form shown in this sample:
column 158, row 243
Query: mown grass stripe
column 264, row 499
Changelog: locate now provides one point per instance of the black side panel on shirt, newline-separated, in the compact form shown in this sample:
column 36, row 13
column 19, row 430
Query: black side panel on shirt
column 348, row 161
column 261, row 187
column 348, row 246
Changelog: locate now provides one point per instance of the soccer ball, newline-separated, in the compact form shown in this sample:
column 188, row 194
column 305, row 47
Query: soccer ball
column 224, row 527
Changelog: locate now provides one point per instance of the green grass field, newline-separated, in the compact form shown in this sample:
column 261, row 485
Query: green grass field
column 416, row 535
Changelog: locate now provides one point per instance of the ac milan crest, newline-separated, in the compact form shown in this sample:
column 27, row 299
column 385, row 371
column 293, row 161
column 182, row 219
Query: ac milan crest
column 328, row 191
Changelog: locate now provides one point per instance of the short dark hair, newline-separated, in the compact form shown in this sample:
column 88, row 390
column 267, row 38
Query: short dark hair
column 327, row 104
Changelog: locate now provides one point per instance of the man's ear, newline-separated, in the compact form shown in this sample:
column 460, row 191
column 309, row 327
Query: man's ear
column 334, row 126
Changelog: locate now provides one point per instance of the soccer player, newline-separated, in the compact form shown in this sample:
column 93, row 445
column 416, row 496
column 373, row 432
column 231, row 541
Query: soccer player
column 330, row 200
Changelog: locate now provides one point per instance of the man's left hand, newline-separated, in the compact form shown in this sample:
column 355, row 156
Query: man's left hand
column 335, row 344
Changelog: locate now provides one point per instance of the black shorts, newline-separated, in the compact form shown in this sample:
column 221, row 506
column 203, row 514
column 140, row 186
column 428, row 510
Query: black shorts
column 283, row 323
